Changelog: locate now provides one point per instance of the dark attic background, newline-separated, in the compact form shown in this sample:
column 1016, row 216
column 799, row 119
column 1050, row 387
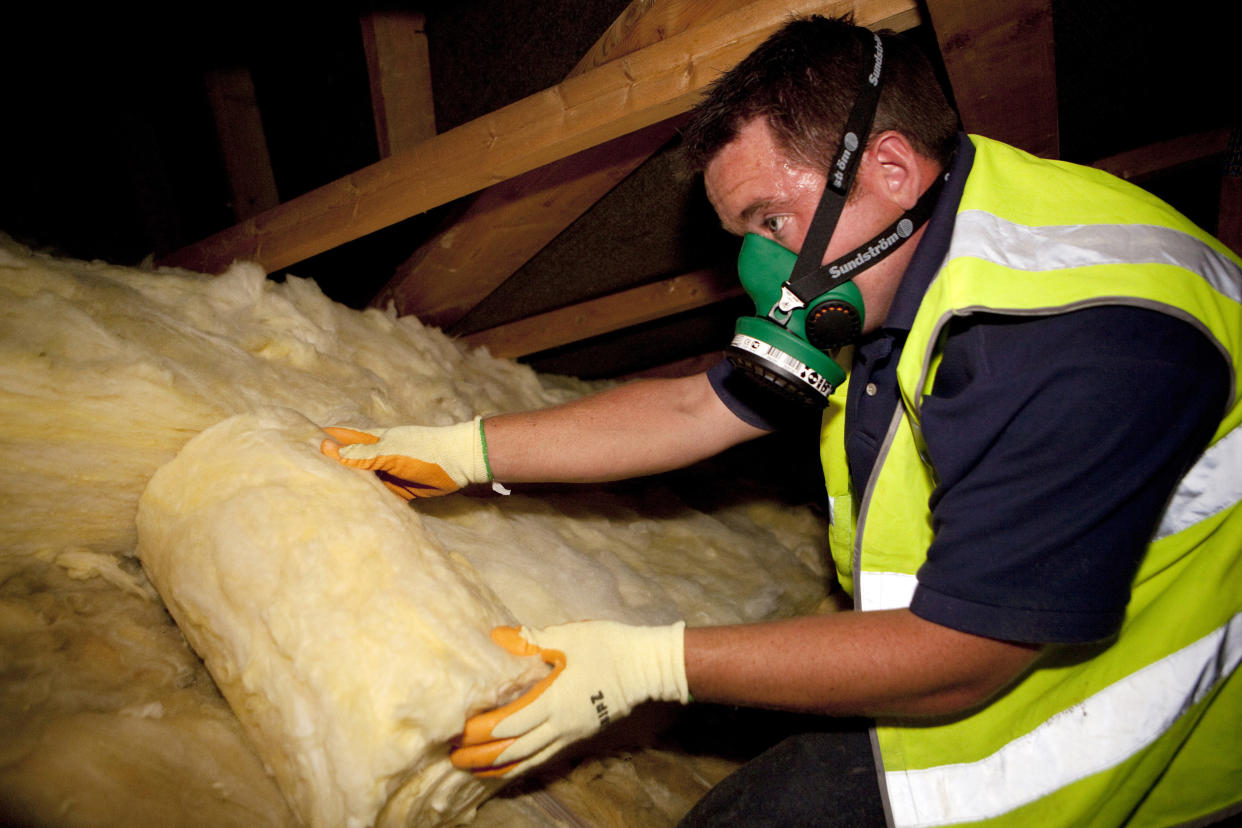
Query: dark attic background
column 110, row 150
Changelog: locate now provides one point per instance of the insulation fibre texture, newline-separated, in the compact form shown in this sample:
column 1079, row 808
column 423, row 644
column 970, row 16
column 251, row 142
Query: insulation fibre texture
column 351, row 645
column 108, row 372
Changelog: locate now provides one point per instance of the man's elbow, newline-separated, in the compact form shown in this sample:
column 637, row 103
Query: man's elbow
column 958, row 700
column 981, row 683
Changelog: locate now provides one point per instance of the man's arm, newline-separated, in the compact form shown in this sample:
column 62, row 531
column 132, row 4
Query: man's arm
column 644, row 427
column 639, row 428
column 884, row 663
column 889, row 663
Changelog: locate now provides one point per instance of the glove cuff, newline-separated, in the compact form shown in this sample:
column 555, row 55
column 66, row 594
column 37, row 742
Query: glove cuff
column 661, row 654
column 463, row 452
column 480, row 470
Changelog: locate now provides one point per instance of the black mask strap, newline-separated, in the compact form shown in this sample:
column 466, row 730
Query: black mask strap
column 843, row 169
column 846, row 267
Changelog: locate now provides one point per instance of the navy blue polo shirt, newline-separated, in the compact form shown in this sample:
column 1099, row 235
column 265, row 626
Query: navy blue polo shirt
column 1056, row 440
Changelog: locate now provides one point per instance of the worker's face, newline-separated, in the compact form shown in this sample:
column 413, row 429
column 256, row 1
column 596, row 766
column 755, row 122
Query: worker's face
column 755, row 189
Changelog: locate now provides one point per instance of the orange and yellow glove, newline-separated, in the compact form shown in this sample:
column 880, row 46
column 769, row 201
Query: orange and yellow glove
column 600, row 670
column 415, row 461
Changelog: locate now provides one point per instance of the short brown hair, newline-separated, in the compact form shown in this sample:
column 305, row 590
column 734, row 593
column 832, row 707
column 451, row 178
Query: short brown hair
column 804, row 78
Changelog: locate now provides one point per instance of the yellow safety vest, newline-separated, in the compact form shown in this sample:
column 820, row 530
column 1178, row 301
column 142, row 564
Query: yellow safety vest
column 1145, row 729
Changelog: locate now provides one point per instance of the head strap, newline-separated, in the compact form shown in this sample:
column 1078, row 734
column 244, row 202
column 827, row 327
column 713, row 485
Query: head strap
column 844, row 166
column 845, row 267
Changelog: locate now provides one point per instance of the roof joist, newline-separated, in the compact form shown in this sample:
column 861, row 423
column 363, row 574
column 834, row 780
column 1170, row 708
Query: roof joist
column 506, row 225
column 609, row 101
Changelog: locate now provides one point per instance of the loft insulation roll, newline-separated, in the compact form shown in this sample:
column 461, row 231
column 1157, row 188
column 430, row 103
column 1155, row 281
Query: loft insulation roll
column 349, row 643
column 108, row 372
column 349, row 631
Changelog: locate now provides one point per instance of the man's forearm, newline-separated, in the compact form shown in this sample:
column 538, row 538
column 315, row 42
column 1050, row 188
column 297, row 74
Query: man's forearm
column 889, row 663
column 636, row 429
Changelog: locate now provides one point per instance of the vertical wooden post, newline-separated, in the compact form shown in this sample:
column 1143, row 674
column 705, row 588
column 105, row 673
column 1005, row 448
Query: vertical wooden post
column 239, row 129
column 400, row 71
column 1000, row 59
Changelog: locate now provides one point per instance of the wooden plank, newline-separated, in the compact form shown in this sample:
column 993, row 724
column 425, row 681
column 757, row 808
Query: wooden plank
column 645, row 22
column 399, row 68
column 509, row 223
column 1002, row 66
column 470, row 257
column 243, row 145
column 1142, row 163
column 636, row 26
column 620, row 97
column 606, row 314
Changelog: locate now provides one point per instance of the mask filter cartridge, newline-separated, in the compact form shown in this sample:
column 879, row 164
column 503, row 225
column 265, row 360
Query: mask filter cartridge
column 783, row 346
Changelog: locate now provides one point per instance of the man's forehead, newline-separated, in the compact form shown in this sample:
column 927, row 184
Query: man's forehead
column 745, row 160
column 750, row 175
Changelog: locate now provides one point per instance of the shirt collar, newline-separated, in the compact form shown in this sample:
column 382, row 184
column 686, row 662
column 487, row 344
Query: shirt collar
column 935, row 242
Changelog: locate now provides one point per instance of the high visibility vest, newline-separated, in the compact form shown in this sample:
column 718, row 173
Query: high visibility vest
column 1143, row 730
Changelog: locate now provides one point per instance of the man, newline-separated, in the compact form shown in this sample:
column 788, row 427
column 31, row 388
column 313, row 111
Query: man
column 1034, row 472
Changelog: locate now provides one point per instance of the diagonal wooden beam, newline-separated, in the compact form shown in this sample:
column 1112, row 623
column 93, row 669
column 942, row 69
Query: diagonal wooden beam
column 1142, row 163
column 473, row 254
column 1001, row 63
column 620, row 97
column 506, row 225
column 607, row 313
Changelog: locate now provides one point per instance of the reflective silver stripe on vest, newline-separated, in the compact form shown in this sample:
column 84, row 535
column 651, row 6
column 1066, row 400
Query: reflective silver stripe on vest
column 1094, row 735
column 1212, row 485
column 982, row 235
column 885, row 590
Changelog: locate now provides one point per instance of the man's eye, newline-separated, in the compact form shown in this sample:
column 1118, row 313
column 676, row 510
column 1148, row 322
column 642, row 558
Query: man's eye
column 773, row 224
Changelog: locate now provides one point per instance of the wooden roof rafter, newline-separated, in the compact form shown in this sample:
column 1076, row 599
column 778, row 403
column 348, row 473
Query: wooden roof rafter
column 609, row 101
column 505, row 225
column 1001, row 64
column 509, row 223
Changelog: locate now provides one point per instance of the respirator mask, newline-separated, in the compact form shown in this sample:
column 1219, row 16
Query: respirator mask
column 804, row 309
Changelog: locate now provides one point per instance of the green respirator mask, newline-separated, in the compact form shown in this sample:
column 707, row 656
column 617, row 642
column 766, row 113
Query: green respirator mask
column 786, row 347
column 806, row 310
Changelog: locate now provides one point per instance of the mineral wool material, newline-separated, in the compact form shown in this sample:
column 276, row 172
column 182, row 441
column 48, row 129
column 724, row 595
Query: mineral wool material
column 109, row 373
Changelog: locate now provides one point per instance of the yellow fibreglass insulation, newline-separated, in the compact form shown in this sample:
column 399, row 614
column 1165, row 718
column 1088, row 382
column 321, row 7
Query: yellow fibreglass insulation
column 346, row 629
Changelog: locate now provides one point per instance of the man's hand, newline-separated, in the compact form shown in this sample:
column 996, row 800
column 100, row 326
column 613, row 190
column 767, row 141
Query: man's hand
column 415, row 461
column 600, row 670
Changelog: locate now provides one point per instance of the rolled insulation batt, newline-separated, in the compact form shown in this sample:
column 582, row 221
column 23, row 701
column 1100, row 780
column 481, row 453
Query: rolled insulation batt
column 350, row 644
column 107, row 371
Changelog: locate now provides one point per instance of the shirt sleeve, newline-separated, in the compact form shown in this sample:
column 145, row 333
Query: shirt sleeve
column 1057, row 442
column 751, row 404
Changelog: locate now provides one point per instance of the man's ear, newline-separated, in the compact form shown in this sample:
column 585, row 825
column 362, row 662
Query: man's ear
column 900, row 172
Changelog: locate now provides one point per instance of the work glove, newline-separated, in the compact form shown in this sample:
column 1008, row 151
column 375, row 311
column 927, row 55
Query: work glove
column 600, row 670
column 415, row 461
